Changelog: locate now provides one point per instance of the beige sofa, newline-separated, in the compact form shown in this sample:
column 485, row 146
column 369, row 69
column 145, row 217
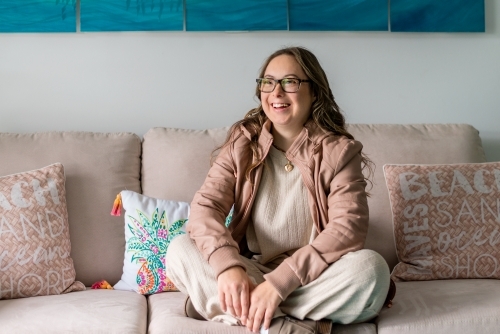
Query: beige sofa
column 171, row 164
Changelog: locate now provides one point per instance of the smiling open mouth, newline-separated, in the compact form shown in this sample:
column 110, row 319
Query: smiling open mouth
column 280, row 105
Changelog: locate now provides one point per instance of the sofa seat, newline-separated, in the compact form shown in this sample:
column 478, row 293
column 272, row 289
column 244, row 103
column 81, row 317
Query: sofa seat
column 166, row 316
column 465, row 306
column 90, row 311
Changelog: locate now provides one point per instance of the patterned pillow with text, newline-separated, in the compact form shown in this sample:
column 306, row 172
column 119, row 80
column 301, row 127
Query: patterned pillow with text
column 446, row 220
column 34, row 235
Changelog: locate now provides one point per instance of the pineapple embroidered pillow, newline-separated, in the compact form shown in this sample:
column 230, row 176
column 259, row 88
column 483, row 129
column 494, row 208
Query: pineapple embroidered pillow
column 150, row 225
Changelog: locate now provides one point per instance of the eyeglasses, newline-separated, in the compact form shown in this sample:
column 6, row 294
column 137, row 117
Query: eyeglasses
column 289, row 85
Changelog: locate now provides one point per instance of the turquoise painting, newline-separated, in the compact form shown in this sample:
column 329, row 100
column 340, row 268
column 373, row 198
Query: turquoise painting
column 437, row 16
column 339, row 15
column 37, row 16
column 131, row 15
column 240, row 15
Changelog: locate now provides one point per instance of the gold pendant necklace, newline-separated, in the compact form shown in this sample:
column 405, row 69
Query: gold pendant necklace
column 288, row 166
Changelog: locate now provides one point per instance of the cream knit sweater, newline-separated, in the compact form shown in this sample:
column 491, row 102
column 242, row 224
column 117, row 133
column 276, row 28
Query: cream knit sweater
column 281, row 220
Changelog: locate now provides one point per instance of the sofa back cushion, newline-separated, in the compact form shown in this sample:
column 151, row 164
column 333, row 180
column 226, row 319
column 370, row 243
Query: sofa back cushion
column 175, row 163
column 408, row 144
column 97, row 167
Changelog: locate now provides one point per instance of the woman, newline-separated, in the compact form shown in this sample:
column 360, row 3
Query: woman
column 294, row 247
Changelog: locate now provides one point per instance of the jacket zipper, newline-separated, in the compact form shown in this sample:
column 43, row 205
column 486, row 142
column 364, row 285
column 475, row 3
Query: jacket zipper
column 310, row 186
column 247, row 207
column 250, row 200
column 252, row 195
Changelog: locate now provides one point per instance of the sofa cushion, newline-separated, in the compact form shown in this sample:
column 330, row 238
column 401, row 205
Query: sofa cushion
column 166, row 315
column 446, row 220
column 443, row 306
column 408, row 144
column 97, row 167
column 150, row 225
column 34, row 235
column 90, row 311
column 175, row 162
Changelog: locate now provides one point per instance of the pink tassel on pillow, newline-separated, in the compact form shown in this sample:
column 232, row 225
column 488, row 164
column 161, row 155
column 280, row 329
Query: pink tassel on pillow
column 117, row 206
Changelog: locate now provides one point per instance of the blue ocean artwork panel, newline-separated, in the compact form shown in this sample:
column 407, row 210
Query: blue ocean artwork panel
column 131, row 15
column 339, row 15
column 236, row 15
column 437, row 16
column 37, row 16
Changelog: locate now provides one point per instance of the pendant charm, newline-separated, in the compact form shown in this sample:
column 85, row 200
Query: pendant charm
column 289, row 166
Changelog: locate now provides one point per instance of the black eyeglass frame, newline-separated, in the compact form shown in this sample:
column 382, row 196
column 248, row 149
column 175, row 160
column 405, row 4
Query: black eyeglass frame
column 276, row 82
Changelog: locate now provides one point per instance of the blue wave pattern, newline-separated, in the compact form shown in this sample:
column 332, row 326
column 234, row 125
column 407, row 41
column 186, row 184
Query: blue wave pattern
column 339, row 15
column 37, row 16
column 236, row 15
column 131, row 15
column 437, row 16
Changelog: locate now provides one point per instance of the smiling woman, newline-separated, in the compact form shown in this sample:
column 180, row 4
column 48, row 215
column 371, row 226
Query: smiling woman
column 294, row 246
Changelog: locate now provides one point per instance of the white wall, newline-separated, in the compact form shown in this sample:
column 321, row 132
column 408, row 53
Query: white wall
column 135, row 81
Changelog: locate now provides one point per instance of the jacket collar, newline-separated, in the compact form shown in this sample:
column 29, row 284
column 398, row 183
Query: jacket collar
column 302, row 148
column 265, row 138
column 307, row 142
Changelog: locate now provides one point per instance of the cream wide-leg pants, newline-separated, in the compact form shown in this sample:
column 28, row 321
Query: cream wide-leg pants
column 351, row 290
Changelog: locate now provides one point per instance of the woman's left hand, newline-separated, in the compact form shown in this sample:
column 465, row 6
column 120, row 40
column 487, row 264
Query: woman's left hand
column 264, row 300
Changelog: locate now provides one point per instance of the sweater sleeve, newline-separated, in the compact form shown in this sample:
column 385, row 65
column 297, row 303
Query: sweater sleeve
column 344, row 232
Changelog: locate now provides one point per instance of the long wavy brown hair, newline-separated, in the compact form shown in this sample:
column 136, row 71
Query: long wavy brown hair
column 325, row 111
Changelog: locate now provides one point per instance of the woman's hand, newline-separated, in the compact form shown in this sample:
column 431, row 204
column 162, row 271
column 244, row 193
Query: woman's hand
column 264, row 300
column 234, row 287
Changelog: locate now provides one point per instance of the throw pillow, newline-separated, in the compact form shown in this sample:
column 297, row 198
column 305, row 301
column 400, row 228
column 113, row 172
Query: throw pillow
column 34, row 235
column 446, row 220
column 150, row 225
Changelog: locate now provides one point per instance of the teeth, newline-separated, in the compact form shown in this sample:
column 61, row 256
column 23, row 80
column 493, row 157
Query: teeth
column 280, row 105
